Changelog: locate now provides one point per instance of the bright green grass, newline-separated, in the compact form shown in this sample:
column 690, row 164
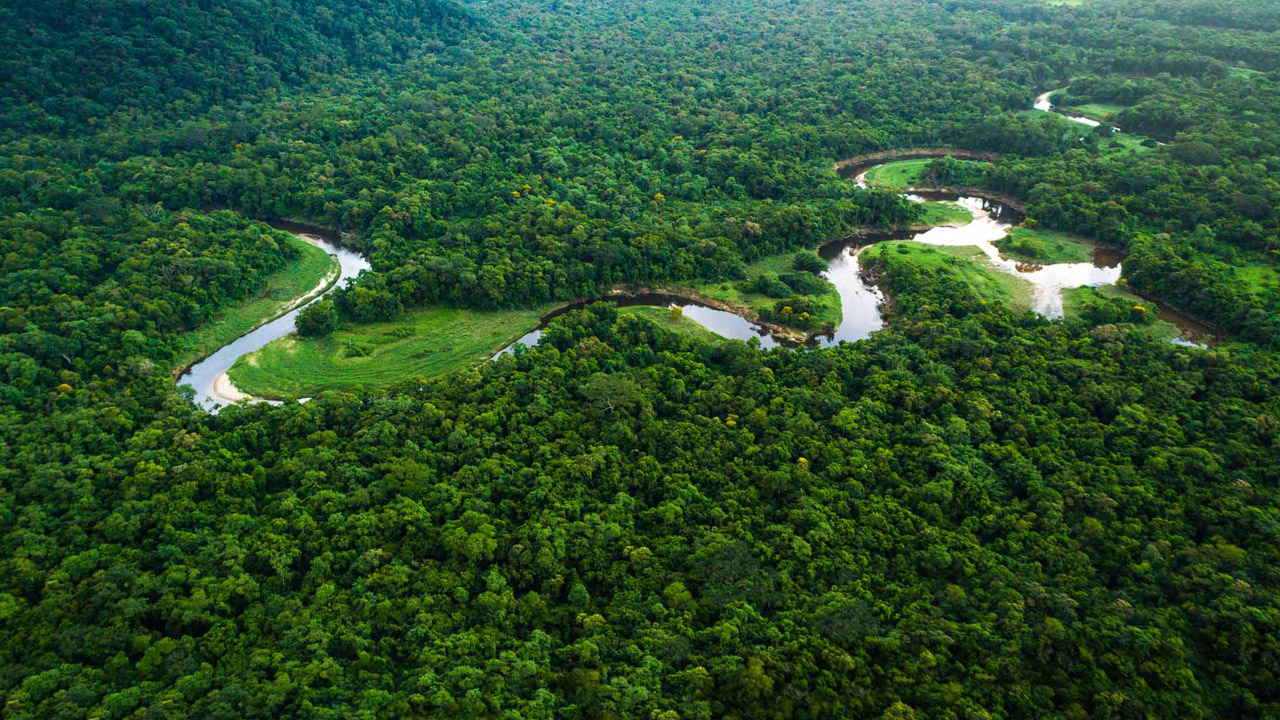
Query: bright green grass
column 945, row 213
column 277, row 293
column 1243, row 72
column 827, row 305
column 671, row 321
column 1075, row 300
column 1259, row 278
column 898, row 175
column 1097, row 111
column 968, row 263
column 1059, row 247
column 375, row 356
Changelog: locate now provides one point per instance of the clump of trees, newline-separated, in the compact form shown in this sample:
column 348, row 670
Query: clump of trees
column 318, row 319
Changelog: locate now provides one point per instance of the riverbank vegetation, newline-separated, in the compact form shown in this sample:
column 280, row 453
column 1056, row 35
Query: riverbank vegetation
column 935, row 213
column 1113, row 305
column 966, row 265
column 375, row 356
column 1045, row 247
column 777, row 282
column 672, row 319
column 279, row 292
column 925, row 173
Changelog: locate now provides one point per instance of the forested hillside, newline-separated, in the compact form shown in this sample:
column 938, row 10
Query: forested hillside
column 68, row 64
column 975, row 513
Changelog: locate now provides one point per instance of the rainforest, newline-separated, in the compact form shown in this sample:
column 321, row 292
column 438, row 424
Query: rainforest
column 653, row 359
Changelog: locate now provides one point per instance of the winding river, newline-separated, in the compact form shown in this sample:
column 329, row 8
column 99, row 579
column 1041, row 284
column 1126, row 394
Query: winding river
column 860, row 299
column 992, row 220
column 209, row 376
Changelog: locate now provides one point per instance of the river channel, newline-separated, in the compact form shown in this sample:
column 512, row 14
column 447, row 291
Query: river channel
column 860, row 299
column 209, row 376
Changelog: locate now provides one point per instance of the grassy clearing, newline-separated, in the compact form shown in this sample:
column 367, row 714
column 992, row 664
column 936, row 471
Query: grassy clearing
column 280, row 289
column 967, row 262
column 898, row 175
column 1125, row 142
column 1097, row 111
column 1260, row 278
column 1240, row 72
column 1076, row 300
column 945, row 213
column 671, row 321
column 375, row 356
column 1046, row 247
column 826, row 306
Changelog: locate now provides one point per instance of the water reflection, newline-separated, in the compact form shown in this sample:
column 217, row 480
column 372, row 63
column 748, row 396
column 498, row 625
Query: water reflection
column 860, row 299
column 723, row 323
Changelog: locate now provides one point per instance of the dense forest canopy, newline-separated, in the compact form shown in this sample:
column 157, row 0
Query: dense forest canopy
column 973, row 514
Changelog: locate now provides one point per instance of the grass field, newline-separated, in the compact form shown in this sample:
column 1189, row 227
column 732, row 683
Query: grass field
column 966, row 261
column 898, row 175
column 1097, row 111
column 827, row 305
column 1240, row 72
column 375, row 356
column 1075, row 300
column 271, row 301
column 672, row 321
column 1260, row 278
column 945, row 213
column 1058, row 247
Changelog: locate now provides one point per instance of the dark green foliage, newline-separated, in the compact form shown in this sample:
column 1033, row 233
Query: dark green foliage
column 948, row 171
column 318, row 319
column 809, row 262
column 972, row 514
column 1025, row 245
column 732, row 530
column 771, row 285
column 74, row 63
column 802, row 283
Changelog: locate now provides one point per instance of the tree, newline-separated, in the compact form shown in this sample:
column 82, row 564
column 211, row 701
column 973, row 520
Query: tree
column 808, row 261
column 318, row 319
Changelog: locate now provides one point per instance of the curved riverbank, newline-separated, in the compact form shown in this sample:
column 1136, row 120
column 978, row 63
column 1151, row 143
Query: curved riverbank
column 325, row 284
column 746, row 325
column 856, row 165
column 209, row 375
